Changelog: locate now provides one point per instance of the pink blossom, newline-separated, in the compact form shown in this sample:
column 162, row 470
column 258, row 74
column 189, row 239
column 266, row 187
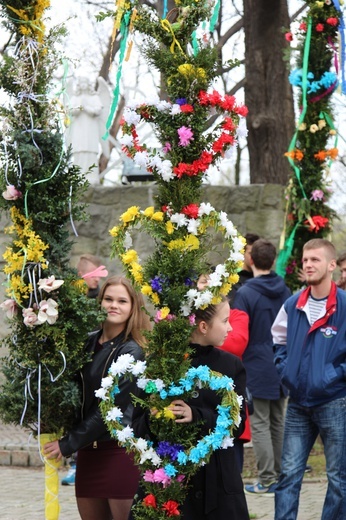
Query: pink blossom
column 160, row 476
column 167, row 147
column 148, row 476
column 30, row 317
column 10, row 307
column 185, row 136
column 289, row 36
column 49, row 284
column 48, row 311
column 317, row 195
column 180, row 478
column 11, row 193
column 192, row 319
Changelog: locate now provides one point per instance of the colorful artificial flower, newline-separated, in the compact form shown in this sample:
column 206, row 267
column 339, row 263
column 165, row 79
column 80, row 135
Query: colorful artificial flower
column 319, row 27
column 11, row 193
column 130, row 214
column 191, row 210
column 185, row 136
column 10, row 307
column 289, row 36
column 171, row 508
column 317, row 195
column 150, row 501
column 317, row 222
column 334, row 22
column 314, row 128
column 49, row 284
column 48, row 311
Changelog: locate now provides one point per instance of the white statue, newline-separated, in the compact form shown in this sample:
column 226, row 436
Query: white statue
column 88, row 111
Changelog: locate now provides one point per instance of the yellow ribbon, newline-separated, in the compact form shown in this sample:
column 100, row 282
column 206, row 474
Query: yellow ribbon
column 51, row 479
column 167, row 27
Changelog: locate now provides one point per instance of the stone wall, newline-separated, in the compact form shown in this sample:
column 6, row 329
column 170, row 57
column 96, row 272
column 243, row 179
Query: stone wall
column 255, row 208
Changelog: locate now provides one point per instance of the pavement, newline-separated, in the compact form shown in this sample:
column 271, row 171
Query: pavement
column 22, row 485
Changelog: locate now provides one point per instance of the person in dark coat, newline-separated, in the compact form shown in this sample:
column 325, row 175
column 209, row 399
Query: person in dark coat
column 106, row 476
column 216, row 491
column 261, row 298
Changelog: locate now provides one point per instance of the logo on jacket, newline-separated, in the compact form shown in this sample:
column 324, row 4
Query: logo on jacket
column 329, row 331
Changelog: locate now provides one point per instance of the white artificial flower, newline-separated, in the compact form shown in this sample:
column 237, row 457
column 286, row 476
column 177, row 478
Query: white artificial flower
column 141, row 444
column 160, row 385
column 223, row 218
column 152, row 100
column 179, row 219
column 101, row 393
column 125, row 434
column 48, row 311
column 127, row 240
column 49, row 284
column 175, row 109
column 238, row 244
column 193, row 226
column 133, row 104
column 131, row 117
column 30, row 317
column 139, row 368
column 107, row 382
column 142, row 382
column 221, row 270
column 230, row 230
column 215, row 280
column 114, row 414
column 166, row 170
column 191, row 294
column 236, row 257
column 141, row 159
column 203, row 298
column 185, row 309
column 122, row 365
column 205, row 208
column 163, row 105
column 228, row 442
column 126, row 140
column 242, row 131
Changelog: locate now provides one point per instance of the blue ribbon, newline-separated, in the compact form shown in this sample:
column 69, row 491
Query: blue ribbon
column 342, row 46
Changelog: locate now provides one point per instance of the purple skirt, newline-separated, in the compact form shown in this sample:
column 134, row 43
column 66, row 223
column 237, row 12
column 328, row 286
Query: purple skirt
column 105, row 470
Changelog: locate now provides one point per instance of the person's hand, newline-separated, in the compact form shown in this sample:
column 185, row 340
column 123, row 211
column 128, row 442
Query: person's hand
column 181, row 410
column 51, row 450
column 301, row 276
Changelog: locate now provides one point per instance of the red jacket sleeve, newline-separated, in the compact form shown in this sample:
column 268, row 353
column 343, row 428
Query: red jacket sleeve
column 237, row 340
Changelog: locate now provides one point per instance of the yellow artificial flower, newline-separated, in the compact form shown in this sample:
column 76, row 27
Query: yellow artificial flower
column 114, row 231
column 80, row 285
column 321, row 123
column 164, row 312
column 302, row 127
column 130, row 214
column 216, row 300
column 129, row 257
column 176, row 244
column 146, row 290
column 169, row 227
column 157, row 216
column 148, row 212
column 225, row 288
column 155, row 298
column 166, row 413
column 313, row 128
column 136, row 271
column 233, row 278
column 189, row 70
column 191, row 242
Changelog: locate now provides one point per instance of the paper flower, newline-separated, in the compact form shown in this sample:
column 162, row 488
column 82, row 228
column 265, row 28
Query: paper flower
column 317, row 195
column 48, row 311
column 150, row 501
column 10, row 307
column 317, row 223
column 11, row 193
column 30, row 317
column 49, row 284
column 185, row 135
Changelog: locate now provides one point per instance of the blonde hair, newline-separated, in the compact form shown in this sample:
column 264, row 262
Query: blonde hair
column 321, row 243
column 138, row 320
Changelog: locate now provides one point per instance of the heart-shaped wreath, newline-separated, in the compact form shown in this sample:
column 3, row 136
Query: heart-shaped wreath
column 174, row 462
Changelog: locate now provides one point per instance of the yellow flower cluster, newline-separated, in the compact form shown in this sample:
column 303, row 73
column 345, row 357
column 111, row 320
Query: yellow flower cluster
column 130, row 214
column 31, row 23
column 27, row 247
column 190, row 242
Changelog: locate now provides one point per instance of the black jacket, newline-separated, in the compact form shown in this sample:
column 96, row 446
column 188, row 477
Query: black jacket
column 216, row 491
column 92, row 427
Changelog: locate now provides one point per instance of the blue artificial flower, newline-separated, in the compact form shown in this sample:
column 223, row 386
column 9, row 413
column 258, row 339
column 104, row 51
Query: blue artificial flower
column 188, row 282
column 181, row 101
column 328, row 79
column 115, row 391
column 157, row 283
column 170, row 470
column 163, row 394
column 175, row 390
column 182, row 458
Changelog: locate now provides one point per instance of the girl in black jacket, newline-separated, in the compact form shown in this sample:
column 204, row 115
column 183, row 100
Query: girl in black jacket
column 216, row 491
column 106, row 477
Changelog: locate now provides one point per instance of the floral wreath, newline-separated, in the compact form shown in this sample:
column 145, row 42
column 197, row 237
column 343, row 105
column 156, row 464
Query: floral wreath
column 192, row 222
column 173, row 461
column 223, row 134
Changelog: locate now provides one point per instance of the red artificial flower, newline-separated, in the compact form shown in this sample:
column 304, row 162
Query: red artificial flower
column 215, row 98
column 171, row 508
column 150, row 501
column 242, row 110
column 303, row 26
column 186, row 108
column 319, row 27
column 318, row 221
column 191, row 210
column 203, row 97
column 228, row 124
column 332, row 21
column 289, row 36
column 223, row 140
column 228, row 103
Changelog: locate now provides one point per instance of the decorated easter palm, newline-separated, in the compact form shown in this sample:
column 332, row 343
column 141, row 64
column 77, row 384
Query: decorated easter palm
column 184, row 230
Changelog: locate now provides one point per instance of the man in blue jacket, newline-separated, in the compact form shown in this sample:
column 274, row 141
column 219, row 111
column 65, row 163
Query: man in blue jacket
column 310, row 355
column 261, row 298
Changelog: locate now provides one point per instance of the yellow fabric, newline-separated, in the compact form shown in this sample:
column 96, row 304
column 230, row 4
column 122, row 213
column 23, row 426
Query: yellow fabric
column 51, row 499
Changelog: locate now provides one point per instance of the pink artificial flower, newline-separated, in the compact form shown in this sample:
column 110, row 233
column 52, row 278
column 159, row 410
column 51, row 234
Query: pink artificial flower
column 161, row 477
column 30, row 318
column 289, row 36
column 180, row 478
column 332, row 21
column 167, row 147
column 317, row 195
column 11, row 193
column 192, row 319
column 319, row 27
column 48, row 311
column 49, row 284
column 10, row 307
column 303, row 26
column 185, row 136
column 148, row 476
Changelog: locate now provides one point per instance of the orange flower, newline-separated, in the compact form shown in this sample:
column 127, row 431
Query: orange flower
column 290, row 154
column 333, row 153
column 299, row 155
column 321, row 155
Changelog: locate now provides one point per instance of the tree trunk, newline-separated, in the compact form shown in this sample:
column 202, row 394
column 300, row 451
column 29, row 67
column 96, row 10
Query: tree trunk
column 268, row 94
